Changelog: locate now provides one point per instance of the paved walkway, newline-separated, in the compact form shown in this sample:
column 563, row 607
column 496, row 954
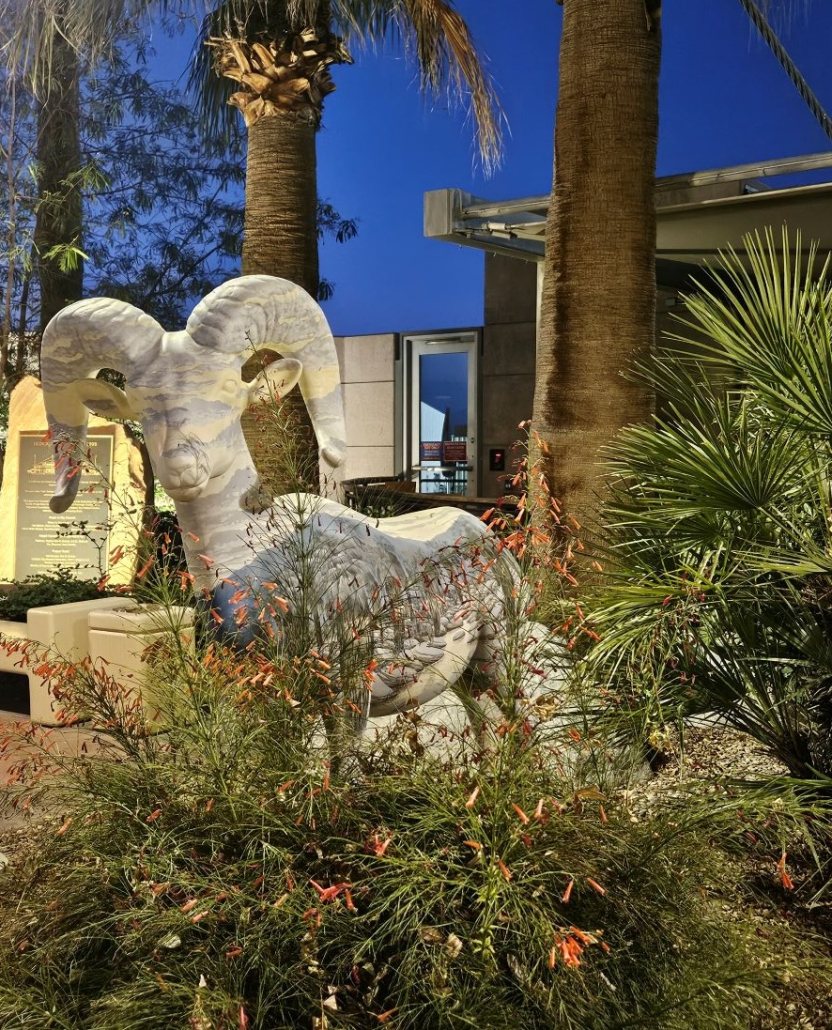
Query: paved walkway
column 64, row 740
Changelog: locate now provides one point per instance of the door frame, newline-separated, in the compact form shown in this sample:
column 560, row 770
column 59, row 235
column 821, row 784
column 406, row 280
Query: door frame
column 410, row 346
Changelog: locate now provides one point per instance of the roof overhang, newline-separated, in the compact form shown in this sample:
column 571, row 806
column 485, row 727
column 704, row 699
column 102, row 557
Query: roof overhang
column 513, row 227
column 686, row 232
column 697, row 215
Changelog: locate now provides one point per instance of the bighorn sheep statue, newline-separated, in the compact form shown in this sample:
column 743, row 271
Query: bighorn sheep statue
column 437, row 574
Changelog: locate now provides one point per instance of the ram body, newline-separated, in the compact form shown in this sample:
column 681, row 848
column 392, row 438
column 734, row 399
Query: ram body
column 424, row 593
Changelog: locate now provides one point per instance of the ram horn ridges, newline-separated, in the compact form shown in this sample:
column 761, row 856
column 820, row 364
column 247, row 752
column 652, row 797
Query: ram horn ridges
column 79, row 341
column 259, row 312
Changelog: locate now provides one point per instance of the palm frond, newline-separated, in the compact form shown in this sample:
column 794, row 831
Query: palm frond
column 719, row 588
column 448, row 61
column 768, row 313
column 432, row 31
column 716, row 467
column 33, row 29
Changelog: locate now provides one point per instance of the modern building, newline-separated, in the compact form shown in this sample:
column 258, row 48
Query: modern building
column 443, row 407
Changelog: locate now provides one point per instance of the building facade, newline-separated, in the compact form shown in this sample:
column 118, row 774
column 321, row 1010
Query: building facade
column 443, row 408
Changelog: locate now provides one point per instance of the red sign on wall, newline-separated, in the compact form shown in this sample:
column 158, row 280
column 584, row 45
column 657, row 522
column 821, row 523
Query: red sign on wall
column 430, row 450
column 454, row 450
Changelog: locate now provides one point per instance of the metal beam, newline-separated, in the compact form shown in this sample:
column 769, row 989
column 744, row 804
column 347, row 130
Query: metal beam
column 759, row 170
column 465, row 206
column 500, row 208
column 692, row 229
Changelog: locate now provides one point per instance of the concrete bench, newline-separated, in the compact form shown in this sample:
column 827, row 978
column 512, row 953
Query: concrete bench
column 113, row 630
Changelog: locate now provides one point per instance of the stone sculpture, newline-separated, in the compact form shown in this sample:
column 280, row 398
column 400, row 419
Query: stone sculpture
column 424, row 593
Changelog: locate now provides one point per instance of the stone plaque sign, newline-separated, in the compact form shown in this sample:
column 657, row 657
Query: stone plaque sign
column 105, row 521
column 75, row 540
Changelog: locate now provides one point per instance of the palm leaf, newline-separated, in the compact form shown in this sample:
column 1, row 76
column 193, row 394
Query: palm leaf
column 769, row 317
column 31, row 29
column 720, row 591
column 430, row 31
column 714, row 468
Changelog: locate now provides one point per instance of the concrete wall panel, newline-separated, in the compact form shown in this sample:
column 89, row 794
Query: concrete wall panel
column 510, row 290
column 366, row 359
column 369, row 409
column 506, row 401
column 508, row 349
column 366, row 462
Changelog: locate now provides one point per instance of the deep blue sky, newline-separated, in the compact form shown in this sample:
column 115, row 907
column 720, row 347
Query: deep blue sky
column 724, row 100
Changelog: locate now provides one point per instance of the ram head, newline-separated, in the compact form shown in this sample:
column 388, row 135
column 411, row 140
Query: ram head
column 185, row 388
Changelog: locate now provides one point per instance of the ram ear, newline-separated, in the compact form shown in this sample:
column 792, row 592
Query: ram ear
column 275, row 381
column 104, row 399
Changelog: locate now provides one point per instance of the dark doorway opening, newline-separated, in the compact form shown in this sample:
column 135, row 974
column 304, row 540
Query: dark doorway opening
column 14, row 692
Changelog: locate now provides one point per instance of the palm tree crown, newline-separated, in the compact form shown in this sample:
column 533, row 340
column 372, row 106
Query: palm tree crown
column 280, row 53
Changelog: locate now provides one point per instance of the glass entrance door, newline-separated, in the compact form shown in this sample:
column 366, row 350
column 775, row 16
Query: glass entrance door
column 443, row 411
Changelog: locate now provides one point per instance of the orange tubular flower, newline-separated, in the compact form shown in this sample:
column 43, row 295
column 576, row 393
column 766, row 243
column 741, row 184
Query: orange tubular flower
column 785, row 879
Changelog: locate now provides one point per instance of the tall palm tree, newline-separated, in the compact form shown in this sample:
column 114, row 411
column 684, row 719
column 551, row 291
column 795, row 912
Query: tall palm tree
column 41, row 44
column 599, row 293
column 283, row 74
column 58, row 156
column 279, row 56
column 279, row 52
column 598, row 305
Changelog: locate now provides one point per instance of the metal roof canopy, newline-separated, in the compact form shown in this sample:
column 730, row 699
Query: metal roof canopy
column 697, row 214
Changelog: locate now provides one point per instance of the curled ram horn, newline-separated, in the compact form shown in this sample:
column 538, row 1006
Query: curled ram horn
column 79, row 341
column 258, row 312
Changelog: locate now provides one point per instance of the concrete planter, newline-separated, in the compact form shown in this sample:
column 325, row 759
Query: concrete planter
column 115, row 630
column 125, row 639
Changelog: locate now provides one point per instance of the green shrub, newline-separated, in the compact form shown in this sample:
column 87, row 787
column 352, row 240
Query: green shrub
column 59, row 587
column 223, row 875
column 718, row 533
column 243, row 869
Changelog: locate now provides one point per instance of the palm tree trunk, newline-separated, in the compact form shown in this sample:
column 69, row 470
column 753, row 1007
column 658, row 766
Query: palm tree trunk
column 59, row 155
column 280, row 238
column 11, row 240
column 281, row 201
column 22, row 326
column 599, row 293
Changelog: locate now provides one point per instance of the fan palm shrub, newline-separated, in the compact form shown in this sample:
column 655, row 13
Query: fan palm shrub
column 719, row 596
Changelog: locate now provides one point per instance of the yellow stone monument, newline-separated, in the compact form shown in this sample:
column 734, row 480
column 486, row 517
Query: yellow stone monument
column 100, row 536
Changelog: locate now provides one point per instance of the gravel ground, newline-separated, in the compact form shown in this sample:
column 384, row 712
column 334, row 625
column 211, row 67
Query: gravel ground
column 794, row 932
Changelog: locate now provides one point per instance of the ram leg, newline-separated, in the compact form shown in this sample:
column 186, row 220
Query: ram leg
column 459, row 648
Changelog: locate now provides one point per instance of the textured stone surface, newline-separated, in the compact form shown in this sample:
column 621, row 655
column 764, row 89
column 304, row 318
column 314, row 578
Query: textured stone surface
column 422, row 594
column 368, row 378
column 368, row 462
column 127, row 489
column 369, row 413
